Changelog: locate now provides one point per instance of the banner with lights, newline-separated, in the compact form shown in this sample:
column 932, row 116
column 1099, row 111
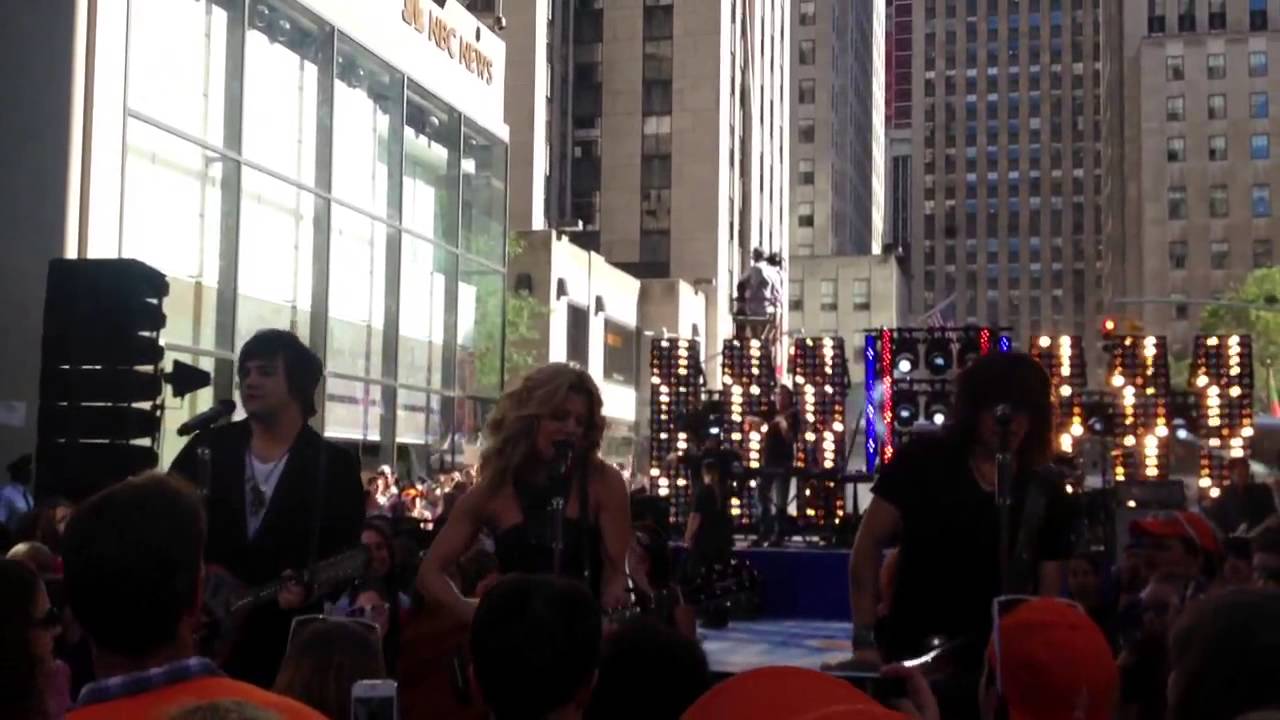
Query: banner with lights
column 748, row 386
column 1221, row 378
column 676, row 385
column 1138, row 370
column 1063, row 359
column 909, row 371
column 820, row 373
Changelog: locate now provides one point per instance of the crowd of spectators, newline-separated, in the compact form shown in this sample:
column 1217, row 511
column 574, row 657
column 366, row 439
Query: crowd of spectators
column 98, row 612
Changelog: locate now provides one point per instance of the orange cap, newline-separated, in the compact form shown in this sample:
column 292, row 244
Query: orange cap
column 1056, row 663
column 1180, row 524
column 787, row 693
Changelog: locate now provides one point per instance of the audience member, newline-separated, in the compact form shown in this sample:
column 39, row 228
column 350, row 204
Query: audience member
column 325, row 658
column 15, row 493
column 46, row 524
column 1047, row 660
column 134, row 572
column 373, row 601
column 1237, row 565
column 1144, row 659
column 1226, row 657
column 1266, row 557
column 1181, row 543
column 648, row 671
column 37, row 557
column 535, row 646
column 383, row 581
column 791, row 693
column 32, row 685
column 1084, row 585
column 1131, row 573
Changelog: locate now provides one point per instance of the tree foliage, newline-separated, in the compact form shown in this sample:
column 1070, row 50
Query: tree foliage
column 1260, row 288
column 511, row 355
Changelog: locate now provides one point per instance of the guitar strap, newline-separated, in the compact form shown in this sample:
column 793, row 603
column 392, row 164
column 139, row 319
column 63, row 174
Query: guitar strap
column 1022, row 566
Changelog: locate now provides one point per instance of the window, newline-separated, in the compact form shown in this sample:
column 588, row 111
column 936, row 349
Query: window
column 1173, row 68
column 828, row 289
column 1217, row 148
column 1218, row 207
column 1217, row 107
column 1177, row 149
column 1260, row 200
column 805, row 172
column 795, row 290
column 1260, row 147
column 655, row 209
column 1217, row 66
column 1217, row 14
column 1257, row 15
column 1262, row 257
column 577, row 335
column 1219, row 252
column 1259, row 105
column 1155, row 17
column 808, row 92
column 1180, row 310
column 1177, row 203
column 1258, row 63
column 808, row 12
column 861, row 294
column 808, row 52
column 1175, row 109
column 1187, row 16
column 656, row 139
column 619, row 352
column 1178, row 255
column 805, row 129
column 805, row 213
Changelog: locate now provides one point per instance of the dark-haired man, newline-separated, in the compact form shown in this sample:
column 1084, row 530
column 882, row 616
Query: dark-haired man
column 937, row 497
column 279, row 498
column 535, row 647
column 132, row 557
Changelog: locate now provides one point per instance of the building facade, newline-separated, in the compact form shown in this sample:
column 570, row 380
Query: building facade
column 1188, row 155
column 838, row 133
column 844, row 296
column 1006, row 172
column 337, row 169
column 677, row 116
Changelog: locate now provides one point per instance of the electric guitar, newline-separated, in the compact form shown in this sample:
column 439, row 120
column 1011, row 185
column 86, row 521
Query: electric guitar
column 226, row 600
column 732, row 586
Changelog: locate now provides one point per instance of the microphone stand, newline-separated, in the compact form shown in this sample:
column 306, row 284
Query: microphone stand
column 560, row 489
column 1004, row 494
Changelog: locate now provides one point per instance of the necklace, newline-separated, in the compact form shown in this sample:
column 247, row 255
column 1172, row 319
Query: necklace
column 257, row 493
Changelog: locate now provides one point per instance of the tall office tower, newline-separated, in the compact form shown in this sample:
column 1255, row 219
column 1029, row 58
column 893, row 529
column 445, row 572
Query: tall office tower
column 677, row 141
column 1188, row 154
column 1005, row 131
column 838, row 137
column 897, row 178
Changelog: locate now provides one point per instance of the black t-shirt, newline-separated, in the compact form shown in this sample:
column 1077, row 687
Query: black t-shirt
column 948, row 565
column 779, row 447
column 713, row 540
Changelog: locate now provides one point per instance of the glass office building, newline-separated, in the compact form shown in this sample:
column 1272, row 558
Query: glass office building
column 326, row 167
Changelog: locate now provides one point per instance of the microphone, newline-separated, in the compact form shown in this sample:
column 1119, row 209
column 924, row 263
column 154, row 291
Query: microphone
column 562, row 456
column 207, row 419
column 1004, row 415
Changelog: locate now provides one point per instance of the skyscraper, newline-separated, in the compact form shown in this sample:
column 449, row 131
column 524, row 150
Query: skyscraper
column 679, row 119
column 838, row 127
column 1188, row 153
column 1005, row 135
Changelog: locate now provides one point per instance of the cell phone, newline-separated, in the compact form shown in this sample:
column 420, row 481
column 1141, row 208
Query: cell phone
column 374, row 700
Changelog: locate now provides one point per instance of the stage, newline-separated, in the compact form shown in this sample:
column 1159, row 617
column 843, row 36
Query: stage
column 801, row 583
column 749, row 644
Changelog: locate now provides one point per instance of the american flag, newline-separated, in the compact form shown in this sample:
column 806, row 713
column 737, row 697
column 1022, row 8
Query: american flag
column 940, row 315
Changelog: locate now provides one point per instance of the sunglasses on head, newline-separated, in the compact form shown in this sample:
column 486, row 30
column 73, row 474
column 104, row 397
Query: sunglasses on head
column 377, row 610
column 1000, row 608
column 302, row 622
column 51, row 620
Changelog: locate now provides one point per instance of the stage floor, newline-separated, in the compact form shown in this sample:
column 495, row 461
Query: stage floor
column 749, row 644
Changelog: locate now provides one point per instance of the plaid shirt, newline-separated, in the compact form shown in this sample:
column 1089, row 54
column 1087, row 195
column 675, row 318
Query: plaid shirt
column 123, row 686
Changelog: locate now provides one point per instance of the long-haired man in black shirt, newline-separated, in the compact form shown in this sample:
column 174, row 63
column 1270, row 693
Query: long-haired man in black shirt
column 937, row 500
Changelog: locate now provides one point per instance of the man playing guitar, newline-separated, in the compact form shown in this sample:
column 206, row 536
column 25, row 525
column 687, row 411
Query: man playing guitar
column 279, row 497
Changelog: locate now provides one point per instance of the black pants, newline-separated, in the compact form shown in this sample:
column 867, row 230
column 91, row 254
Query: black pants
column 772, row 493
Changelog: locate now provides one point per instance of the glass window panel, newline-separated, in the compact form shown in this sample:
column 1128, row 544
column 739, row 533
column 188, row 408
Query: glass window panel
column 277, row 233
column 484, row 195
column 178, row 63
column 469, row 418
column 431, row 164
column 357, row 293
column 620, row 348
column 172, row 220
column 284, row 51
column 427, row 275
column 481, row 291
column 364, row 94
column 353, row 413
column 422, row 448
column 180, row 410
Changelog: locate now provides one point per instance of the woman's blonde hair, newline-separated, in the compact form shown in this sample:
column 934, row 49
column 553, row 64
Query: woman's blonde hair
column 512, row 429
